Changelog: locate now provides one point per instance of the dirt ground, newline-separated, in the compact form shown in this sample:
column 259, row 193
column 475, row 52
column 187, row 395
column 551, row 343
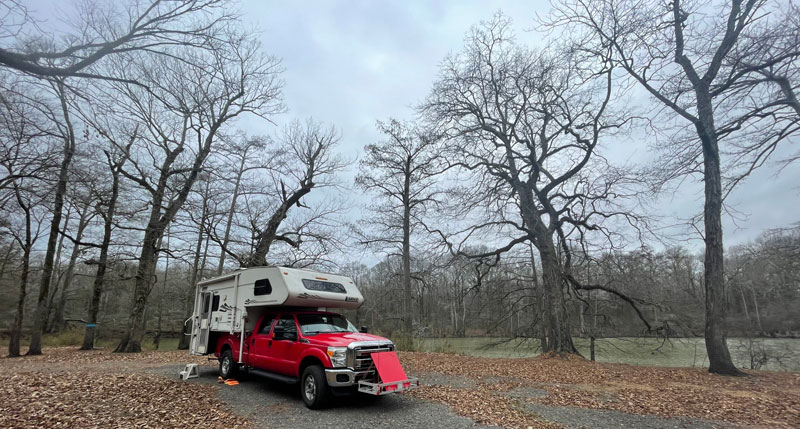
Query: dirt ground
column 69, row 388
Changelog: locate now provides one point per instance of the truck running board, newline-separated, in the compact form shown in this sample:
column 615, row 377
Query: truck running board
column 272, row 376
column 378, row 389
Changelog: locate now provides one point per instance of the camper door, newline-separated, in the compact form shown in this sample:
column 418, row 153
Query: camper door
column 202, row 324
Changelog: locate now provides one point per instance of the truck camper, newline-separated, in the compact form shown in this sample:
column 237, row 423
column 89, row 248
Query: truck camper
column 275, row 322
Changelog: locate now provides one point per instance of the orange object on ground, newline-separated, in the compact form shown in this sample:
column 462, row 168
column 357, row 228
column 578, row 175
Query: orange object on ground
column 388, row 366
column 231, row 382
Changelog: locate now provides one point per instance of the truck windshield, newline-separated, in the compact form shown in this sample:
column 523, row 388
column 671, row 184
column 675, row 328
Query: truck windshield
column 312, row 324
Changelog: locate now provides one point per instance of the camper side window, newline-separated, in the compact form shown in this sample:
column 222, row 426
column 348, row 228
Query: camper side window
column 262, row 287
column 215, row 303
column 323, row 286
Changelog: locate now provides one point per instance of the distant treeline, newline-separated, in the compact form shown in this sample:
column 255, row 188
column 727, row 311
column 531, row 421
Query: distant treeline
column 762, row 290
column 762, row 293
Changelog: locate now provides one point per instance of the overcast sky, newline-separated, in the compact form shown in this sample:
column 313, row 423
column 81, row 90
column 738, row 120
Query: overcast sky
column 351, row 63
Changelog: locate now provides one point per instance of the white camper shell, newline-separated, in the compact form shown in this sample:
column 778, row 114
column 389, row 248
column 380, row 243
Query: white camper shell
column 222, row 303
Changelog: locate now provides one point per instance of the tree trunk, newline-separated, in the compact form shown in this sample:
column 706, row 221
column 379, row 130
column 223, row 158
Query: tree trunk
column 744, row 305
column 56, row 277
column 755, row 307
column 16, row 329
column 559, row 338
column 719, row 357
column 540, row 328
column 157, row 338
column 6, row 259
column 231, row 210
column 183, row 343
column 131, row 341
column 408, row 305
column 58, row 205
column 58, row 320
column 102, row 263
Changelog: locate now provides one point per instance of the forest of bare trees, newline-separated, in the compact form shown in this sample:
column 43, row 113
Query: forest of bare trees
column 130, row 171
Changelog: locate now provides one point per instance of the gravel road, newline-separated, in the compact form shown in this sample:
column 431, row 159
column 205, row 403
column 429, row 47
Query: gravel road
column 276, row 405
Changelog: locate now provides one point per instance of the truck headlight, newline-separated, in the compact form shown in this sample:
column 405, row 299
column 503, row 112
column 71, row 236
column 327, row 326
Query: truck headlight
column 338, row 356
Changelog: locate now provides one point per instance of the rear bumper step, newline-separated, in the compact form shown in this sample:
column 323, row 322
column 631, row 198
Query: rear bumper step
column 378, row 389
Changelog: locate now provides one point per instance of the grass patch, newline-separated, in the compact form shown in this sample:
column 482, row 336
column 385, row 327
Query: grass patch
column 678, row 352
column 73, row 337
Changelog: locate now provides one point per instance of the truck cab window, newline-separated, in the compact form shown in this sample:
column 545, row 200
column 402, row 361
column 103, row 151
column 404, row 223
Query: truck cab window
column 287, row 323
column 320, row 323
column 266, row 324
column 262, row 287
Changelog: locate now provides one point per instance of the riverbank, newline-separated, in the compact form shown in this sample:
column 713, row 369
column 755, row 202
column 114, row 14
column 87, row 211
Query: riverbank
column 773, row 354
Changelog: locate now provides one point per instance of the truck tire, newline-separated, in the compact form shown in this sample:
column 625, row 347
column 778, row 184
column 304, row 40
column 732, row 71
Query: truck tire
column 314, row 387
column 228, row 368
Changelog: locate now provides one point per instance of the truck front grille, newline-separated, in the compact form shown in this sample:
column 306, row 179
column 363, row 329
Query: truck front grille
column 363, row 360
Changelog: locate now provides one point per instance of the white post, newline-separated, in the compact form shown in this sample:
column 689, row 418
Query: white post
column 241, row 335
column 235, row 304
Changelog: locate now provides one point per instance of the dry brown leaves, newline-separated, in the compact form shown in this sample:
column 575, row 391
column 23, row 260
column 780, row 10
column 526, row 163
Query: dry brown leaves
column 87, row 400
column 481, row 405
column 69, row 388
column 763, row 398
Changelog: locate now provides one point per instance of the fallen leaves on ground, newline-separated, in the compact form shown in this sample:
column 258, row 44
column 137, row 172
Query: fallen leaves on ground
column 70, row 388
column 65, row 387
column 763, row 398
column 89, row 399
column 481, row 405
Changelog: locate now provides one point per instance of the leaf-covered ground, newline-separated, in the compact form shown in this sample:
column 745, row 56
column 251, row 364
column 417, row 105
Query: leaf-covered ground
column 763, row 399
column 72, row 389
column 69, row 388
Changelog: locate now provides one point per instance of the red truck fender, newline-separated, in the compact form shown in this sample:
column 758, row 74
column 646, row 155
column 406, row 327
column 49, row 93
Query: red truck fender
column 312, row 353
column 229, row 340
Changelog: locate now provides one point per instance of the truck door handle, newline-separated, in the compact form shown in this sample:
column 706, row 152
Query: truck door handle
column 270, row 343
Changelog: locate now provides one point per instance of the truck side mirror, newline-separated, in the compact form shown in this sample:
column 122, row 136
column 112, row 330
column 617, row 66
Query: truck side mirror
column 363, row 330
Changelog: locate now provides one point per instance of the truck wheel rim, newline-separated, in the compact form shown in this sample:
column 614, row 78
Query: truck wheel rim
column 226, row 366
column 310, row 388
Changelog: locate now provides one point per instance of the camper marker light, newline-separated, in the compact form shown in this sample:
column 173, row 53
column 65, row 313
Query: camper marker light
column 338, row 356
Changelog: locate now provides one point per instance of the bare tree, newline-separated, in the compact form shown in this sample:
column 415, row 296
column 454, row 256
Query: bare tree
column 67, row 130
column 526, row 125
column 85, row 215
column 153, row 26
column 726, row 70
column 26, row 157
column 106, row 208
column 189, row 100
column 401, row 171
column 25, row 236
column 240, row 152
column 198, row 259
column 308, row 161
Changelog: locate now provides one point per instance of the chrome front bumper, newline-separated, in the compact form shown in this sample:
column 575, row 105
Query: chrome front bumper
column 336, row 377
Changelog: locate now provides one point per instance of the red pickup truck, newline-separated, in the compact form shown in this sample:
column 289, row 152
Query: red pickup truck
column 320, row 349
